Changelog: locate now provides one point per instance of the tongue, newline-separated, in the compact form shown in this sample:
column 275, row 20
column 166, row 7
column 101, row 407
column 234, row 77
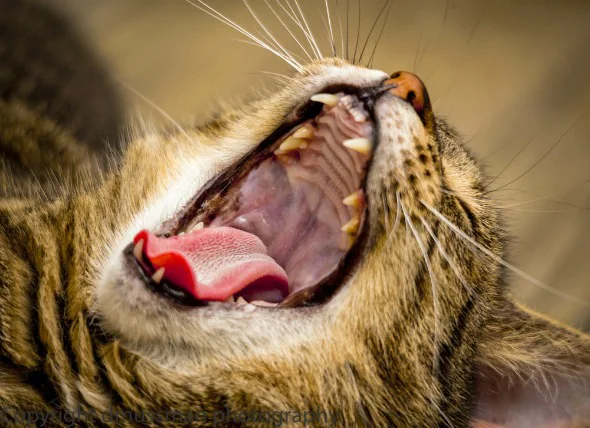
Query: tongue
column 216, row 263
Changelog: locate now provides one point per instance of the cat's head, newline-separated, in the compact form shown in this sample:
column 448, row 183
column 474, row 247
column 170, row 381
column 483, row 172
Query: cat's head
column 353, row 218
column 340, row 175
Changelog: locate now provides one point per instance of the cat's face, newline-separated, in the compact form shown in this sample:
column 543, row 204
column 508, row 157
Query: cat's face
column 348, row 238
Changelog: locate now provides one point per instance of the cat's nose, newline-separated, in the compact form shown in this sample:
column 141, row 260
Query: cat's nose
column 410, row 88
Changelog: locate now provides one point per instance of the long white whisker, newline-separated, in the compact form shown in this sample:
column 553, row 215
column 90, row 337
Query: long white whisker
column 358, row 34
column 433, row 287
column 289, row 30
column 220, row 17
column 308, row 29
column 278, row 45
column 279, row 75
column 341, row 30
column 370, row 63
column 296, row 20
column 542, row 158
column 397, row 216
column 331, row 31
column 456, row 271
column 513, row 268
column 157, row 108
column 373, row 28
column 347, row 26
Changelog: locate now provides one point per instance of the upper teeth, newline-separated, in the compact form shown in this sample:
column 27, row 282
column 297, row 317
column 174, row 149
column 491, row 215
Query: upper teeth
column 289, row 144
column 303, row 132
column 361, row 145
column 328, row 99
column 197, row 226
column 138, row 250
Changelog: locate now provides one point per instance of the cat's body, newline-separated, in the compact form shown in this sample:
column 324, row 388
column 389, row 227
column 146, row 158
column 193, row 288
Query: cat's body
column 421, row 331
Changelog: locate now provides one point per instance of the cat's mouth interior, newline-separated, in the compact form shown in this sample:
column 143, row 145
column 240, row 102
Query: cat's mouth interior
column 276, row 229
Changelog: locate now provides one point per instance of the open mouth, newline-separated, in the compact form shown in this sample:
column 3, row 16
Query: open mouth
column 278, row 229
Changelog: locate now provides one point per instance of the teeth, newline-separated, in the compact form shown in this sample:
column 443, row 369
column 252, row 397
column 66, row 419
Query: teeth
column 351, row 227
column 328, row 99
column 361, row 145
column 181, row 233
column 241, row 301
column 290, row 144
column 230, row 299
column 304, row 132
column 354, row 200
column 198, row 226
column 158, row 275
column 263, row 303
column 138, row 250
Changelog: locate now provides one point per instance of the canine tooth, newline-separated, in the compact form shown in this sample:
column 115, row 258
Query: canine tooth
column 198, row 226
column 138, row 250
column 181, row 233
column 158, row 275
column 241, row 301
column 303, row 132
column 328, row 99
column 361, row 145
column 290, row 144
column 354, row 200
column 351, row 227
column 230, row 299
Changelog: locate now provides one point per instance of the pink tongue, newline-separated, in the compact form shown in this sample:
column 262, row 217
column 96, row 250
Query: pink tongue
column 216, row 263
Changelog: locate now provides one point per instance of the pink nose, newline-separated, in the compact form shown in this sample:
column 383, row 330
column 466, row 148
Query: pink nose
column 410, row 88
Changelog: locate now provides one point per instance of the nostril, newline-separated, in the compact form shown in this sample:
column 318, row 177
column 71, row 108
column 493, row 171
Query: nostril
column 410, row 88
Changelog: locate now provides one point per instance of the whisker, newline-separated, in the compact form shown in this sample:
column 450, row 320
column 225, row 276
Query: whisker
column 347, row 27
column 373, row 28
column 308, row 29
column 477, row 22
column 370, row 64
column 500, row 260
column 272, row 73
column 277, row 76
column 433, row 287
column 397, row 216
column 278, row 45
column 330, row 25
column 156, row 107
column 340, row 25
column 418, row 49
column 358, row 33
column 549, row 198
column 533, row 211
column 514, row 158
column 220, row 17
column 297, row 21
column 541, row 158
column 289, row 30
column 441, row 249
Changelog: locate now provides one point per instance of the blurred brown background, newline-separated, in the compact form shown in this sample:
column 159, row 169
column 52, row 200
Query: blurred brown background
column 512, row 76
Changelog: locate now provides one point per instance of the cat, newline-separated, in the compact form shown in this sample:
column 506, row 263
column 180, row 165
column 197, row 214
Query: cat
column 323, row 254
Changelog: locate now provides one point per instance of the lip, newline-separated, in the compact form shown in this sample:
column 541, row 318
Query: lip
column 204, row 205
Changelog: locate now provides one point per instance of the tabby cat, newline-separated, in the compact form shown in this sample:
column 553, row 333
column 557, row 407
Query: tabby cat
column 323, row 256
